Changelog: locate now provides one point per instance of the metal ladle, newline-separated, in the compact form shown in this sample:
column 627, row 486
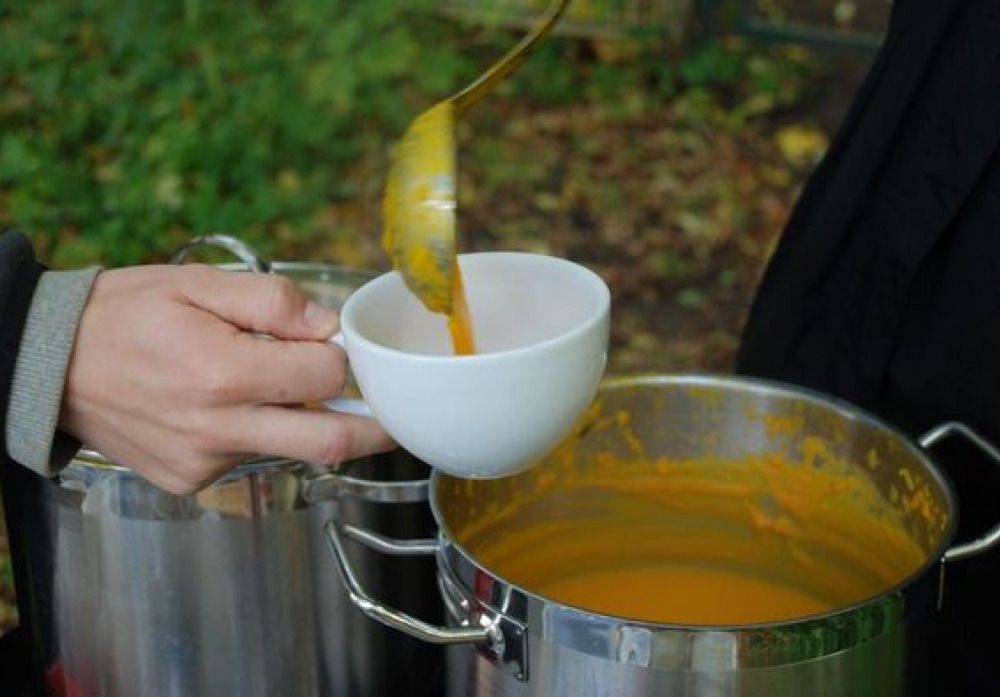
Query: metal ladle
column 419, row 203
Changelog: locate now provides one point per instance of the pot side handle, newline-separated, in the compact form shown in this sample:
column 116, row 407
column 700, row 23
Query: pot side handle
column 991, row 538
column 417, row 628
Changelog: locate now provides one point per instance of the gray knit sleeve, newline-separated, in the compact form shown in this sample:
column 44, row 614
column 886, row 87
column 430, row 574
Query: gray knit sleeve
column 40, row 371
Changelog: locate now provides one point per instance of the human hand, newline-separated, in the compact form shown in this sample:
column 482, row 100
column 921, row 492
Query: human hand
column 167, row 377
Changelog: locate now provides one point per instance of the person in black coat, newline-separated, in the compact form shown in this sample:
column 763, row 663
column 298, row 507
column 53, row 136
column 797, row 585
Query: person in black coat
column 884, row 289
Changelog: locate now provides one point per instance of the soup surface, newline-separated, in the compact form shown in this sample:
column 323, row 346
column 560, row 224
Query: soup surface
column 692, row 595
column 695, row 541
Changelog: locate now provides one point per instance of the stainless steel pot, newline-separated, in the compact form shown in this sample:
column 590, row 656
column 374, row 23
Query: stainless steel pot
column 510, row 640
column 133, row 591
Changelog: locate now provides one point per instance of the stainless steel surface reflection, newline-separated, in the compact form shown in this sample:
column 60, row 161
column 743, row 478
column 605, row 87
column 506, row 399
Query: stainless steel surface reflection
column 228, row 592
column 162, row 593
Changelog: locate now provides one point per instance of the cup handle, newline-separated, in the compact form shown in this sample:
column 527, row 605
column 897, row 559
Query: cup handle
column 347, row 405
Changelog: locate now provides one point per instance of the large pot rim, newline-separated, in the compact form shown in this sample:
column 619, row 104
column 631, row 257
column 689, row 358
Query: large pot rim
column 887, row 607
column 92, row 460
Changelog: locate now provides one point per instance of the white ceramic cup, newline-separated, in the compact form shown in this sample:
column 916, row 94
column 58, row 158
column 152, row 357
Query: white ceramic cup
column 540, row 325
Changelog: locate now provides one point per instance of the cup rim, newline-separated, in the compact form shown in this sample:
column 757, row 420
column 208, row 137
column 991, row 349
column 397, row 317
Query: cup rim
column 595, row 317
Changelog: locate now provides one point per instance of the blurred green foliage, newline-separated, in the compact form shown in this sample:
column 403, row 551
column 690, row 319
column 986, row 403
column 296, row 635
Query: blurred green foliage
column 126, row 126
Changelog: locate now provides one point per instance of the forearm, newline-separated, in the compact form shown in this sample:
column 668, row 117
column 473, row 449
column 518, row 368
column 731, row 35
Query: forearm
column 40, row 371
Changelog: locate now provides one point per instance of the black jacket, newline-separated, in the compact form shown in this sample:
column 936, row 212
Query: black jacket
column 885, row 286
column 19, row 273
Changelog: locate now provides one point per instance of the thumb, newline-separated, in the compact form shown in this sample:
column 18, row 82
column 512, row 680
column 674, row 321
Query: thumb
column 258, row 302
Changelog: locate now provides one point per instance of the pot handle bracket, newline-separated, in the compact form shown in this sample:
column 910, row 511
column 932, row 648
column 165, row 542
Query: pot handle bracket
column 499, row 638
column 234, row 245
column 991, row 538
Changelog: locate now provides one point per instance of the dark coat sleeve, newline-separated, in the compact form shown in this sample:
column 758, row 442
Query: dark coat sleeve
column 19, row 274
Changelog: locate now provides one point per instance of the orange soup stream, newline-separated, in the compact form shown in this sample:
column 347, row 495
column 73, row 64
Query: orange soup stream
column 460, row 321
